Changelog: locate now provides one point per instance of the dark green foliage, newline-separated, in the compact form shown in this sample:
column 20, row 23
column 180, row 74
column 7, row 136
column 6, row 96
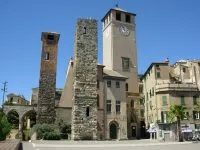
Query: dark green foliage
column 177, row 113
column 51, row 135
column 13, row 119
column 41, row 129
column 5, row 127
column 65, row 129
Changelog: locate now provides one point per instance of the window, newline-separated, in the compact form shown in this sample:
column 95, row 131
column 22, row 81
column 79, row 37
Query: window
column 186, row 116
column 132, row 103
column 194, row 100
column 84, row 30
column 152, row 91
column 126, row 87
column 184, row 69
column 158, row 74
column 157, row 66
column 97, row 84
column 117, row 106
column 164, row 116
column 140, row 89
column 47, row 56
column 108, row 106
column 147, row 96
column 164, row 100
column 141, row 101
column 128, row 18
column 118, row 16
column 50, row 39
column 87, row 111
column 125, row 64
column 97, row 100
column 196, row 115
column 108, row 83
column 117, row 84
column 182, row 100
column 142, row 112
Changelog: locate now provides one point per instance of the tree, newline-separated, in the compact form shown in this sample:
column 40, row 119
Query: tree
column 177, row 113
column 5, row 127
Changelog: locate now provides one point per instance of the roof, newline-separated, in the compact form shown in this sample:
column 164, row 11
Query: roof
column 113, row 74
column 117, row 9
column 152, row 64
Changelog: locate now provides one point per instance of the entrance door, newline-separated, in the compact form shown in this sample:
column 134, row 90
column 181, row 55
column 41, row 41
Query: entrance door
column 113, row 131
column 133, row 131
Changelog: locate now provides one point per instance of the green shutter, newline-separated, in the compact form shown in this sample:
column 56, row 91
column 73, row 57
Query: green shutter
column 182, row 100
column 164, row 100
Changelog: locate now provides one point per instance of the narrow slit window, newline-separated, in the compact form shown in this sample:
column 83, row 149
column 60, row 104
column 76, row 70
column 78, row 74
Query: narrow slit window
column 47, row 56
column 87, row 112
column 84, row 30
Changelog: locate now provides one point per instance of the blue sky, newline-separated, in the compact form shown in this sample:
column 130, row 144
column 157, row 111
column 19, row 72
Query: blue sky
column 164, row 28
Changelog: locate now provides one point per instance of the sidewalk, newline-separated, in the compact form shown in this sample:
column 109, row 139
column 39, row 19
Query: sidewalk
column 9, row 144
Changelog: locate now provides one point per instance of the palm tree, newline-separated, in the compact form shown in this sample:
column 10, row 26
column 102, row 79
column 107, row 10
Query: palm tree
column 177, row 112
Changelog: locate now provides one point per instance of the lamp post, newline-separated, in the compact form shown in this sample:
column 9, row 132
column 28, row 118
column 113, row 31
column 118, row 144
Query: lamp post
column 4, row 91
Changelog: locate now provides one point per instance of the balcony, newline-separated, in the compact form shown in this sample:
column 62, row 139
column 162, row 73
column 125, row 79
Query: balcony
column 176, row 87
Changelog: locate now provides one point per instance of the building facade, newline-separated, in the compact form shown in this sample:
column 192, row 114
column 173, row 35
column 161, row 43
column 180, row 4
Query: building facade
column 166, row 85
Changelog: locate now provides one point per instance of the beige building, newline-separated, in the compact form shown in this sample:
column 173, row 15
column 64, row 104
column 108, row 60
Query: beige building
column 165, row 85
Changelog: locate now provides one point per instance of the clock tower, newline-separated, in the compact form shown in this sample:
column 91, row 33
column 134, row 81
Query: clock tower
column 119, row 46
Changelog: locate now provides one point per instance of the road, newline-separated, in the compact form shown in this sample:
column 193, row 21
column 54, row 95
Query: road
column 109, row 145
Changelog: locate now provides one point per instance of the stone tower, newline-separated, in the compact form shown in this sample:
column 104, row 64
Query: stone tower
column 47, row 83
column 84, row 109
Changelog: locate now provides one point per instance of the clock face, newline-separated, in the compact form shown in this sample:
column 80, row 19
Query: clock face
column 124, row 31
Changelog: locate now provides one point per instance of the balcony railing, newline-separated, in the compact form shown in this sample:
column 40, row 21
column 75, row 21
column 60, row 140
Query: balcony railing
column 176, row 87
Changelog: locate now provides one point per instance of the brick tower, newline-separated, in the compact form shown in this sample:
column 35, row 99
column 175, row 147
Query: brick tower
column 47, row 83
column 84, row 109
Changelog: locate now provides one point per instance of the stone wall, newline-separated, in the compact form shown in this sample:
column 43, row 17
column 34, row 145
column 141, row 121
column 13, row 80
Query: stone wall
column 84, row 109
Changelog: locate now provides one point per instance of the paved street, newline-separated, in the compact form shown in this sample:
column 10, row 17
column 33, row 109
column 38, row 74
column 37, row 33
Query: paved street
column 111, row 145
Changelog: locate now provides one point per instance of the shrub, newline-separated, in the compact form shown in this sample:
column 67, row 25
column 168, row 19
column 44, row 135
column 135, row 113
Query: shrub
column 44, row 131
column 51, row 136
column 5, row 127
column 65, row 129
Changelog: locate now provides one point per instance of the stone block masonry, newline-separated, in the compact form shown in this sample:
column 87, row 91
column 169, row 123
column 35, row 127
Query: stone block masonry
column 84, row 109
column 47, row 84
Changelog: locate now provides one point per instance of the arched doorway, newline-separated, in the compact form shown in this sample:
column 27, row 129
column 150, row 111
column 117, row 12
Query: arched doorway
column 28, row 120
column 13, row 119
column 114, row 130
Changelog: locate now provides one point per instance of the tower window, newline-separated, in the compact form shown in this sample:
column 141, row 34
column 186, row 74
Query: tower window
column 128, row 18
column 47, row 56
column 84, row 30
column 50, row 39
column 97, row 100
column 126, row 86
column 87, row 111
column 125, row 64
column 118, row 16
